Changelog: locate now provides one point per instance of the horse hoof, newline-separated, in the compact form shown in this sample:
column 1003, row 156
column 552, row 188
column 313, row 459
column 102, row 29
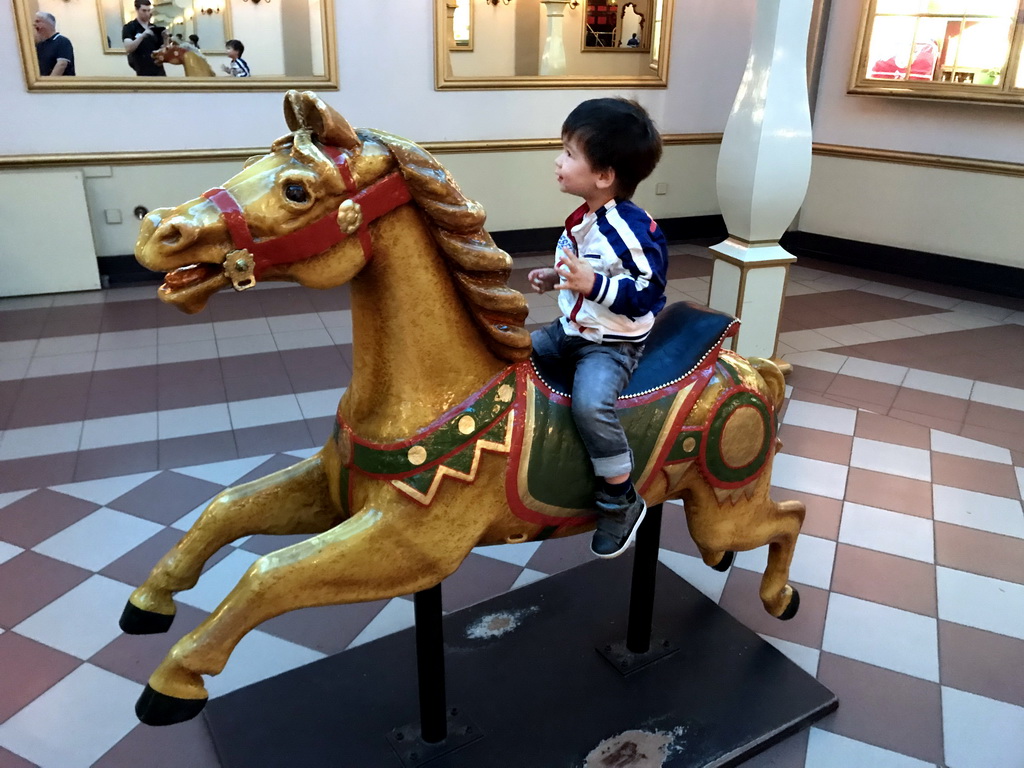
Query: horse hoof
column 725, row 563
column 135, row 621
column 792, row 608
column 155, row 708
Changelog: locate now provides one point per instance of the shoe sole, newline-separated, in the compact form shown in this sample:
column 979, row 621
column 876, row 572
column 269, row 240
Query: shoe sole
column 629, row 539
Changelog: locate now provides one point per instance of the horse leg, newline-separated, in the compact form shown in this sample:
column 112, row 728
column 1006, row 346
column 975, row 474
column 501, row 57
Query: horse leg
column 373, row 555
column 292, row 500
column 720, row 528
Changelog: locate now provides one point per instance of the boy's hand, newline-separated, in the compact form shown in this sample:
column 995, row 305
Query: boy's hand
column 577, row 274
column 542, row 280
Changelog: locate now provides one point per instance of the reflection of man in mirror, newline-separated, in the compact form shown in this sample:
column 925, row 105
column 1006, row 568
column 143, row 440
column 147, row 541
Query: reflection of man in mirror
column 633, row 42
column 55, row 52
column 140, row 40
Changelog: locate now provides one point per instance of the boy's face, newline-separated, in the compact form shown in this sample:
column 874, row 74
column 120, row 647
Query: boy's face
column 576, row 176
column 232, row 53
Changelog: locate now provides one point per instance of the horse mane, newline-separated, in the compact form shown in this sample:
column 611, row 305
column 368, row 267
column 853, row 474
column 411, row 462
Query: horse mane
column 480, row 268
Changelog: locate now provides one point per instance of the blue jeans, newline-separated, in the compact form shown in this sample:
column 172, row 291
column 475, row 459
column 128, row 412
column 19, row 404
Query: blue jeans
column 602, row 372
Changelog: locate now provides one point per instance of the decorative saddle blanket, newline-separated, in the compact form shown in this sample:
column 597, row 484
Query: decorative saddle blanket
column 525, row 413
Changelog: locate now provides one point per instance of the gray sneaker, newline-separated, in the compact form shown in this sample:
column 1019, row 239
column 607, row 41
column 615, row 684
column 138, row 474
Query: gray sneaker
column 618, row 519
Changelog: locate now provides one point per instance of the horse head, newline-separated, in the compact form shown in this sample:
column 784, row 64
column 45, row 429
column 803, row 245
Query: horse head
column 287, row 216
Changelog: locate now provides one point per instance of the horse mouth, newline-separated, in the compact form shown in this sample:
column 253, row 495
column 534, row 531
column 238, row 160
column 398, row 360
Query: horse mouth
column 189, row 287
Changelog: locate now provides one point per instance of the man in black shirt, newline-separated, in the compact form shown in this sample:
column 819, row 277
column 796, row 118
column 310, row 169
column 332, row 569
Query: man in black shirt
column 141, row 39
column 55, row 53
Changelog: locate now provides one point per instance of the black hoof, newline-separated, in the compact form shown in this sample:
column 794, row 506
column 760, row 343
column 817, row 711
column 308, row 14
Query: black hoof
column 792, row 608
column 135, row 621
column 155, row 708
column 725, row 563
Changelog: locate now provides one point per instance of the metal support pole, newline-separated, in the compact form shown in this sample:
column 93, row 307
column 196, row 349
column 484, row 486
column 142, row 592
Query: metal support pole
column 645, row 567
column 430, row 665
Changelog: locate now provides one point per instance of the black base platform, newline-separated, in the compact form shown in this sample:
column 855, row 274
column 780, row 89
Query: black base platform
column 541, row 695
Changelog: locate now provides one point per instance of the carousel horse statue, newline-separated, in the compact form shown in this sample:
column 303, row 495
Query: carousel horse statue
column 449, row 436
column 184, row 55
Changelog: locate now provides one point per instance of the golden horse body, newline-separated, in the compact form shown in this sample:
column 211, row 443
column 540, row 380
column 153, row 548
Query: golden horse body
column 184, row 55
column 435, row 329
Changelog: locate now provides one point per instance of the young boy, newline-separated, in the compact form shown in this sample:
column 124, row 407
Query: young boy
column 237, row 66
column 610, row 266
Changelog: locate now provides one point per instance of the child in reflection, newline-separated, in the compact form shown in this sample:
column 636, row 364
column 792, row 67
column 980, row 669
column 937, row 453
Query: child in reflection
column 237, row 66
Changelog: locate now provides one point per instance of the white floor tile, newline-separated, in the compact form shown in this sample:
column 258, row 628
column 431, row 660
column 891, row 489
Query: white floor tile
column 983, row 310
column 261, row 411
column 146, row 337
column 528, row 576
column 236, row 346
column 830, row 750
column 224, row 472
column 98, row 539
column 186, row 351
column 338, row 318
column 257, row 657
column 822, row 478
column 812, row 561
column 885, row 531
column 1020, row 480
column 17, row 350
column 113, row 359
column 886, row 637
column 14, row 369
column 216, row 583
column 796, row 288
column 827, row 418
column 66, row 345
column 104, row 490
column 76, row 721
column 132, row 293
column 79, row 298
column 847, row 335
column 943, row 442
column 804, row 657
column 517, row 554
column 226, row 329
column 873, row 370
column 58, row 365
column 932, row 299
column 929, row 324
column 181, row 334
column 969, row 320
column 884, row 289
column 819, row 361
column 82, row 621
column 26, row 442
column 7, row 551
column 340, row 334
column 981, row 733
column 396, row 616
column 316, row 337
column 26, row 302
column 118, row 430
column 705, row 579
column 983, row 511
column 980, row 601
column 302, row 322
column 889, row 330
column 198, row 420
column 807, row 341
column 323, row 402
column 303, row 453
column 996, row 394
column 938, row 383
column 892, row 459
column 186, row 522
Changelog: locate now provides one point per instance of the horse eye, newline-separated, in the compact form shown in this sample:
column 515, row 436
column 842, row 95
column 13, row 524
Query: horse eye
column 296, row 193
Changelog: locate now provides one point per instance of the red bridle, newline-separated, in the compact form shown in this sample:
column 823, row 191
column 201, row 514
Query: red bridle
column 376, row 200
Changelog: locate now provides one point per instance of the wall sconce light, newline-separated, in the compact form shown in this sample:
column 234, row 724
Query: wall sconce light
column 257, row 2
column 495, row 2
column 574, row 4
column 209, row 11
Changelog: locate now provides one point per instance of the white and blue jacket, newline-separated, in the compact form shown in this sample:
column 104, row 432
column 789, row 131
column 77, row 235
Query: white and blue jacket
column 628, row 252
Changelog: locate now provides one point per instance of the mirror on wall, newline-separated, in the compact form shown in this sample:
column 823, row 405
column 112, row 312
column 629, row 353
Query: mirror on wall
column 552, row 43
column 287, row 44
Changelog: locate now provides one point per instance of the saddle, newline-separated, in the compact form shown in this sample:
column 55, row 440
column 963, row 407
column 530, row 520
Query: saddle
column 683, row 335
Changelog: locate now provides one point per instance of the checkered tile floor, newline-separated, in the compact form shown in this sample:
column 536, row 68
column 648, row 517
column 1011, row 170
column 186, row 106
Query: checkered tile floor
column 904, row 435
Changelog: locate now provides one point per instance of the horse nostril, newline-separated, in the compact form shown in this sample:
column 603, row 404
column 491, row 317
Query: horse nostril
column 175, row 234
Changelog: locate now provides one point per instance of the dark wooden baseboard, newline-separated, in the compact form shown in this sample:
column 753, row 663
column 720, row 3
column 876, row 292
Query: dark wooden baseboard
column 937, row 268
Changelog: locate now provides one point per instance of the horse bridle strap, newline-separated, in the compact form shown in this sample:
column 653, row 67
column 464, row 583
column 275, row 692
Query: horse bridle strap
column 353, row 215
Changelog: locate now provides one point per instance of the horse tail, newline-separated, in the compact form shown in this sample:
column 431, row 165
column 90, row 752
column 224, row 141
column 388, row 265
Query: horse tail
column 775, row 382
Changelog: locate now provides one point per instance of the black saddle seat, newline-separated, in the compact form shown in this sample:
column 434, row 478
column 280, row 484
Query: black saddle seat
column 683, row 333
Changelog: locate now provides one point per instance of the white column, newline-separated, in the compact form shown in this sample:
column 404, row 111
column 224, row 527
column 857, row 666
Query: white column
column 552, row 60
column 763, row 170
column 449, row 32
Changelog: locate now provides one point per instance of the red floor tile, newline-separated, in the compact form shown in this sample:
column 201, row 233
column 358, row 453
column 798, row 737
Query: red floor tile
column 987, row 554
column 874, row 426
column 48, row 579
column 975, row 475
column 982, row 662
column 741, row 598
column 28, row 670
column 823, row 514
column 166, row 497
column 892, row 492
column 857, row 390
column 886, row 579
column 816, row 444
column 40, row 515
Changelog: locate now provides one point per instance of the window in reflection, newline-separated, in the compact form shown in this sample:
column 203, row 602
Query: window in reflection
column 966, row 44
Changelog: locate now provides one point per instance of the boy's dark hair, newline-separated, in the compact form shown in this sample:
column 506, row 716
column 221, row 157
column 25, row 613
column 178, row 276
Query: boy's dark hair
column 616, row 134
column 140, row 3
column 235, row 45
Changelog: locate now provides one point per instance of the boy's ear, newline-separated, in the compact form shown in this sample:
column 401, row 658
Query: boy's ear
column 606, row 179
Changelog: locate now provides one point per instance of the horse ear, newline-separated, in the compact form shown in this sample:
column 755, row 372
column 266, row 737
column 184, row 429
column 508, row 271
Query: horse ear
column 305, row 110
